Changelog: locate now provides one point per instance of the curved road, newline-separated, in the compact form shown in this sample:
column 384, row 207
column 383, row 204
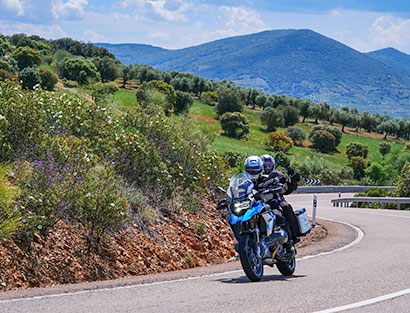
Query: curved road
column 371, row 274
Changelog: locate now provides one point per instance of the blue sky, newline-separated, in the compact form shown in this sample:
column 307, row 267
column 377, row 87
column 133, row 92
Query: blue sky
column 363, row 25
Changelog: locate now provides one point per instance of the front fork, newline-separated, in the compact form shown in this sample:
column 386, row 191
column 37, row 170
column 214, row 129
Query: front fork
column 257, row 243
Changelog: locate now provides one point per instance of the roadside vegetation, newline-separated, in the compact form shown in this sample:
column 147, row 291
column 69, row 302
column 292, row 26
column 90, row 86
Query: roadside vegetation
column 169, row 137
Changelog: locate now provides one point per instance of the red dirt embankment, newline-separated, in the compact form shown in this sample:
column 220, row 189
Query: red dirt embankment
column 171, row 243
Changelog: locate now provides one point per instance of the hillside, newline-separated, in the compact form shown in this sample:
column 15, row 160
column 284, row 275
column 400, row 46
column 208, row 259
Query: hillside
column 393, row 58
column 298, row 63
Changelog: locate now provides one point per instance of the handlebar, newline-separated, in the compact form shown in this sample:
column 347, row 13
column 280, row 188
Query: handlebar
column 274, row 190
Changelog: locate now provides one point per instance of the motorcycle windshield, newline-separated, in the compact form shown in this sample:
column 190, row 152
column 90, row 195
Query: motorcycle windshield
column 239, row 187
column 248, row 215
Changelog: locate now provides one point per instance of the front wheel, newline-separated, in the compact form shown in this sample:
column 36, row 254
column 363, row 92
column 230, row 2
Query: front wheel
column 287, row 268
column 252, row 265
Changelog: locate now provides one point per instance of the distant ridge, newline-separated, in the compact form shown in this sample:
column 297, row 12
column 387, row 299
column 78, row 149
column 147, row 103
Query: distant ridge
column 297, row 63
column 393, row 58
column 130, row 52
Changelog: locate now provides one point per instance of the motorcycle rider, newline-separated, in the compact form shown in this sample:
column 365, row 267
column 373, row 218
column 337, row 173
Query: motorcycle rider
column 289, row 186
column 253, row 168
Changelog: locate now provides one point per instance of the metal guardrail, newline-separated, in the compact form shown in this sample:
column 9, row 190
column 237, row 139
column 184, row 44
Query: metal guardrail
column 337, row 189
column 343, row 201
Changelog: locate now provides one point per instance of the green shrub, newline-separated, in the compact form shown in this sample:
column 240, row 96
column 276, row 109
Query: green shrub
column 189, row 259
column 359, row 165
column 290, row 114
column 100, row 91
column 234, row 124
column 384, row 148
column 100, row 205
column 209, row 97
column 26, row 57
column 183, row 102
column 4, row 65
column 272, row 118
column 334, row 131
column 282, row 160
column 10, row 218
column 30, row 78
column 171, row 152
column 323, row 141
column 48, row 79
column 356, row 149
column 296, row 134
column 201, row 228
column 403, row 185
column 316, row 168
column 233, row 158
column 147, row 94
column 81, row 70
column 278, row 141
column 372, row 192
column 6, row 75
column 70, row 83
column 376, row 173
column 229, row 100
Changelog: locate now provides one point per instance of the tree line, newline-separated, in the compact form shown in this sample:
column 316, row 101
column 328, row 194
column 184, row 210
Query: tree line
column 79, row 63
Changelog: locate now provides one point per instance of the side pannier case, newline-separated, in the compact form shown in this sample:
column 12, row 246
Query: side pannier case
column 303, row 222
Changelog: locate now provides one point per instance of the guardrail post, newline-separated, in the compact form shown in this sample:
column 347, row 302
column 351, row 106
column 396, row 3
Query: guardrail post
column 398, row 206
column 314, row 211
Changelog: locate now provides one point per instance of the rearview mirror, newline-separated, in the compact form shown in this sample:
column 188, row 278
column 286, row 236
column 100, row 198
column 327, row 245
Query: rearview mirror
column 220, row 190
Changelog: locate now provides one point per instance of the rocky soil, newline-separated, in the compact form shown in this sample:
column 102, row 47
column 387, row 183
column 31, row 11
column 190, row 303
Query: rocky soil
column 172, row 242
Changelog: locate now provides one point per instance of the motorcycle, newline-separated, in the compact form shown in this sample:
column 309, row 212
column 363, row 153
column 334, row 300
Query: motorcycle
column 261, row 232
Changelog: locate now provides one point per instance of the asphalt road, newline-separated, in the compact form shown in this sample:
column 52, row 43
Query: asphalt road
column 369, row 272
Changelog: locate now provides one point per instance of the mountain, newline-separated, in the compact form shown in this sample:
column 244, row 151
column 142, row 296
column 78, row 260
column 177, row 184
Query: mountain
column 128, row 53
column 297, row 63
column 392, row 57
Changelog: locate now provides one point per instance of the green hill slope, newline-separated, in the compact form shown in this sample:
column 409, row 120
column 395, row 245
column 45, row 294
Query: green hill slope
column 298, row 63
column 393, row 58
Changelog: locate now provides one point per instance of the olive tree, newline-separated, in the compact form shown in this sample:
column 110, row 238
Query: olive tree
column 272, row 118
column 356, row 149
column 229, row 100
column 296, row 134
column 234, row 124
column 323, row 141
column 384, row 148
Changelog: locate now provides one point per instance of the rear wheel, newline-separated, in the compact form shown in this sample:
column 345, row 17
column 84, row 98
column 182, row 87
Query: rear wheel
column 252, row 265
column 287, row 268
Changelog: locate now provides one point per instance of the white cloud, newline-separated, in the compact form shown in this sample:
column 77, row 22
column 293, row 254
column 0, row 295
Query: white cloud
column 69, row 10
column 239, row 18
column 121, row 17
column 163, row 10
column 14, row 6
column 92, row 36
column 391, row 30
column 159, row 36
column 45, row 31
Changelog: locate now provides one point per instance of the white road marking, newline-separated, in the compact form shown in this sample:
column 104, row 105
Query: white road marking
column 359, row 237
column 367, row 302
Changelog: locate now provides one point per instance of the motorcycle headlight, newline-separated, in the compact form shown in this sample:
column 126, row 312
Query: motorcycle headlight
column 240, row 207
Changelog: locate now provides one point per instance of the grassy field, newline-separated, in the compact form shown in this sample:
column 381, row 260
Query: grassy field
column 255, row 142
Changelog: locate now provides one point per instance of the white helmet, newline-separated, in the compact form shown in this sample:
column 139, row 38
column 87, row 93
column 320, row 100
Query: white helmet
column 268, row 163
column 253, row 167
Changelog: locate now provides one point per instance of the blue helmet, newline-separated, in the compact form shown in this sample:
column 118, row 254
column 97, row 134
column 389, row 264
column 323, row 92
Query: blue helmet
column 268, row 163
column 253, row 167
